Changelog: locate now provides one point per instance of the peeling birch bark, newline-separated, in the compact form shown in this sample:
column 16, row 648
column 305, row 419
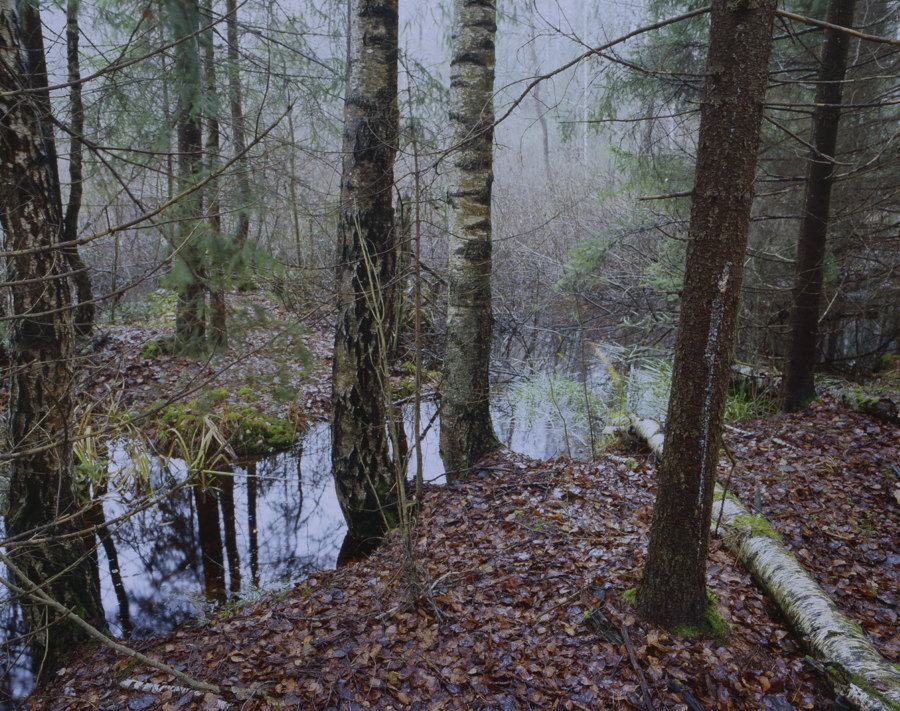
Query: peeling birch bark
column 856, row 668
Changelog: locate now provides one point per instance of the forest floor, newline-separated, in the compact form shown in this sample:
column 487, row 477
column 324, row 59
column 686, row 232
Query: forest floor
column 513, row 595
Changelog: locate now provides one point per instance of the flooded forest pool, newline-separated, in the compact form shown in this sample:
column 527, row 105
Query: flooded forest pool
column 278, row 519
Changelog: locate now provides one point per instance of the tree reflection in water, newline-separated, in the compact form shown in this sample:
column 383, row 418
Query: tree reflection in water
column 177, row 552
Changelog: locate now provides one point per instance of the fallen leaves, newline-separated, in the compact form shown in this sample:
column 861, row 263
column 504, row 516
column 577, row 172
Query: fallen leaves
column 515, row 601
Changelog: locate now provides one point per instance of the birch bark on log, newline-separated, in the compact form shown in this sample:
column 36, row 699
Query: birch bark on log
column 856, row 667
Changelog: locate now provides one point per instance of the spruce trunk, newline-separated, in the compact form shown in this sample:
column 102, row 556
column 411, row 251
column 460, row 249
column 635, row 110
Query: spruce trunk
column 190, row 274
column 798, row 385
column 673, row 588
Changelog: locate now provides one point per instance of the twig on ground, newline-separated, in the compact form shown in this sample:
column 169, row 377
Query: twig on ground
column 645, row 690
column 689, row 698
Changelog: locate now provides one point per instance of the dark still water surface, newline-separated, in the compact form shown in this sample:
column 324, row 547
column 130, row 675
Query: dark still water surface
column 275, row 520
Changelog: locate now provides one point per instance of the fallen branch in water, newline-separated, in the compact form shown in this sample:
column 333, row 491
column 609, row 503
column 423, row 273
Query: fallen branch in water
column 35, row 592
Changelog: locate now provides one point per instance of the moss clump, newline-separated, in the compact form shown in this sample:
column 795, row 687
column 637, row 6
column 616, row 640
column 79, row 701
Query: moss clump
column 711, row 626
column 887, row 361
column 759, row 526
column 157, row 347
column 720, row 492
column 247, row 431
column 253, row 432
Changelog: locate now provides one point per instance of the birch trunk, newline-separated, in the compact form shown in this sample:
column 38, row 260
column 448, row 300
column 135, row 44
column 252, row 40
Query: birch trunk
column 361, row 464
column 44, row 514
column 466, row 429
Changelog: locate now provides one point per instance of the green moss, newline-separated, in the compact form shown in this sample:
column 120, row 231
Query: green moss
column 156, row 347
column 630, row 596
column 248, row 431
column 711, row 626
column 759, row 526
column 844, row 676
column 887, row 361
column 247, row 394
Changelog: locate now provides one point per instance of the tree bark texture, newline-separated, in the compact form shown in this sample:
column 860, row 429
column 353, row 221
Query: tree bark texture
column 238, row 130
column 44, row 514
column 466, row 429
column 33, row 41
column 85, row 312
column 856, row 665
column 798, row 385
column 190, row 316
column 361, row 464
column 673, row 589
column 220, row 245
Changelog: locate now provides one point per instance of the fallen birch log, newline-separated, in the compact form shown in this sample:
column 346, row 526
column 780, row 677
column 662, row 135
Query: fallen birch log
column 857, row 670
column 882, row 408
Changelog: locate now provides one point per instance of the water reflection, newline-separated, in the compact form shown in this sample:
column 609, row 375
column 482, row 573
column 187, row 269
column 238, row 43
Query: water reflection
column 168, row 547
column 257, row 525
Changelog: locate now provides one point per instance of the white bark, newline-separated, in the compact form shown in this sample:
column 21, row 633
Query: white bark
column 856, row 668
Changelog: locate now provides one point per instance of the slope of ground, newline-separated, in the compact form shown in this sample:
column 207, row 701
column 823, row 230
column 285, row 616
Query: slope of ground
column 516, row 598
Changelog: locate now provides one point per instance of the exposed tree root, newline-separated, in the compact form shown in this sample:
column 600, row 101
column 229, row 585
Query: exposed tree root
column 856, row 669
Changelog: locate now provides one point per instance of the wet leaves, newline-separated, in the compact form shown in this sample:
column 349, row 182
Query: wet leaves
column 516, row 595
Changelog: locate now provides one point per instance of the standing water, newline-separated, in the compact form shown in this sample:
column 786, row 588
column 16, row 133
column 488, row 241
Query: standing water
column 282, row 520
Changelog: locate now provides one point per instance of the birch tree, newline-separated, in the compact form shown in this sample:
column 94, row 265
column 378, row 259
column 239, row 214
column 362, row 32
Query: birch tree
column 673, row 589
column 360, row 456
column 466, row 429
column 44, row 517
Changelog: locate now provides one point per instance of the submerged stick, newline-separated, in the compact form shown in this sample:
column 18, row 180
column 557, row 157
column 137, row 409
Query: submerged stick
column 43, row 597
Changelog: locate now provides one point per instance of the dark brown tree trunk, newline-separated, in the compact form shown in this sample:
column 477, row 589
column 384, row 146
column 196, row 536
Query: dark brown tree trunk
column 252, row 536
column 466, row 429
column 226, row 502
column 84, row 314
column 219, row 247
column 361, row 464
column 44, row 510
column 189, row 269
column 210, row 535
column 238, row 130
column 798, row 383
column 97, row 519
column 33, row 40
column 673, row 589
